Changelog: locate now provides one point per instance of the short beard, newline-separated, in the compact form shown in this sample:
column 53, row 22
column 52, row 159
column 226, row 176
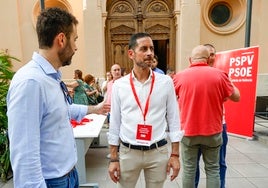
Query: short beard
column 143, row 65
column 63, row 55
column 66, row 63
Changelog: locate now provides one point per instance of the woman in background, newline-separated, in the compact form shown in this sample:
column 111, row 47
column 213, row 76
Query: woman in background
column 79, row 94
column 109, row 77
column 91, row 91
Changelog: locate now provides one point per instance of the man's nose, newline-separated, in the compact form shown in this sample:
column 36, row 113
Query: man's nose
column 150, row 53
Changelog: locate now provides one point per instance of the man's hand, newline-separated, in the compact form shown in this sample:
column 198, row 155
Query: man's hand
column 114, row 171
column 174, row 164
column 101, row 108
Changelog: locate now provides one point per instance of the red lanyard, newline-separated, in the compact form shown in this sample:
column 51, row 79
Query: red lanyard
column 136, row 96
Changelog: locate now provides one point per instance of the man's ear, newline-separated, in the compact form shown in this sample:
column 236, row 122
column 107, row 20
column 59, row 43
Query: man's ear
column 208, row 60
column 190, row 60
column 61, row 39
column 130, row 53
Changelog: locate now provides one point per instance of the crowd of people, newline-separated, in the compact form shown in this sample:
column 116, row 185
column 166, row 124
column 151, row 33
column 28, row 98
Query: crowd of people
column 146, row 109
column 85, row 90
column 88, row 91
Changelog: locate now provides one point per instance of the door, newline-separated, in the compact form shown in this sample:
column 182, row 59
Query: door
column 127, row 17
column 161, row 50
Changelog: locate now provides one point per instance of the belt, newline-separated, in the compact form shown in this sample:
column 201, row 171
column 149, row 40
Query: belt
column 153, row 146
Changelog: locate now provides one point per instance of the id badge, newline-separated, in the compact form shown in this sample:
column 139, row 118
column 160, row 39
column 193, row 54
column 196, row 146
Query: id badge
column 144, row 134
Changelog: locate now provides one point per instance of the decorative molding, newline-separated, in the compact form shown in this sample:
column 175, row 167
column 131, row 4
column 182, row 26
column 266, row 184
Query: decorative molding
column 157, row 8
column 122, row 8
column 158, row 29
column 120, row 37
column 122, row 29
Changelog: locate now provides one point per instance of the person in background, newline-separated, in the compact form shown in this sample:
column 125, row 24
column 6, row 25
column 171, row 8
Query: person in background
column 170, row 73
column 203, row 127
column 139, row 126
column 39, row 109
column 123, row 72
column 109, row 77
column 222, row 162
column 90, row 90
column 154, row 65
column 79, row 94
column 96, row 85
column 116, row 74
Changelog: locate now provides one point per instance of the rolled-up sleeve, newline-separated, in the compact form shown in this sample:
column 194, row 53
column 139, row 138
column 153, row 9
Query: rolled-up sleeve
column 115, row 117
column 77, row 111
column 175, row 132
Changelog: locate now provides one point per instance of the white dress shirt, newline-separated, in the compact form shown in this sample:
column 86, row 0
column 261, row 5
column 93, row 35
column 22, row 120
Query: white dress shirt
column 126, row 114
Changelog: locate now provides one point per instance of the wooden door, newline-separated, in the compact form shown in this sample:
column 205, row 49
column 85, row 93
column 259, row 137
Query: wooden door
column 127, row 17
column 120, row 55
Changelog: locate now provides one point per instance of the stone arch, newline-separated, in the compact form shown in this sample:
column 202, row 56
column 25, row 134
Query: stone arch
column 63, row 4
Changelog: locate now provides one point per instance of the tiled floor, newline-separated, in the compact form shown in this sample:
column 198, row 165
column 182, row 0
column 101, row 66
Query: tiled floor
column 247, row 162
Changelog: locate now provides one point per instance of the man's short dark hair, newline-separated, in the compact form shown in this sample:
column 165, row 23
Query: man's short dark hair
column 133, row 40
column 50, row 23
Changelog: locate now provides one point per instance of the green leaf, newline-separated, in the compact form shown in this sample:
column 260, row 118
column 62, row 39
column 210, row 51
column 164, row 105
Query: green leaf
column 6, row 74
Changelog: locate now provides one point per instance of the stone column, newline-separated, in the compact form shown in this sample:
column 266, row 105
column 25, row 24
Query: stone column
column 189, row 31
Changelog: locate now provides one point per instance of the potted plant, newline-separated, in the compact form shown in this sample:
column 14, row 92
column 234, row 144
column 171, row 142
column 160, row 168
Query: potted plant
column 6, row 75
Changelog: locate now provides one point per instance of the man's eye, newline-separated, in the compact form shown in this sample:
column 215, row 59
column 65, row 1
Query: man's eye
column 143, row 49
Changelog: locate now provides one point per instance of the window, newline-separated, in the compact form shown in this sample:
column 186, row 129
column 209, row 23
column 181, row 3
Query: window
column 220, row 14
column 223, row 16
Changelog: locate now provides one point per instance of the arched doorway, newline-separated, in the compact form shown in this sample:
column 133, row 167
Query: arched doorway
column 130, row 16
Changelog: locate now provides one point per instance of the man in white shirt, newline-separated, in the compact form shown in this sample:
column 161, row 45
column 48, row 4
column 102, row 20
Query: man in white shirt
column 143, row 105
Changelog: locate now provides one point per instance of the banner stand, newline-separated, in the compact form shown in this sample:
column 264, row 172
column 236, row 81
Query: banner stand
column 241, row 66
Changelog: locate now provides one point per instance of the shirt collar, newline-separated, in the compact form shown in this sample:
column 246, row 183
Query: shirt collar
column 149, row 78
column 46, row 66
column 195, row 64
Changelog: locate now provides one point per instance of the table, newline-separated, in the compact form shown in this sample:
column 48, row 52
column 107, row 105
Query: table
column 84, row 135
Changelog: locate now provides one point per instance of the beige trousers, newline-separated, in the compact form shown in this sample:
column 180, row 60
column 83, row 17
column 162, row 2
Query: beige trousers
column 152, row 162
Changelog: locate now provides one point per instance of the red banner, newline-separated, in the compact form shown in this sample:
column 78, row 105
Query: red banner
column 241, row 66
